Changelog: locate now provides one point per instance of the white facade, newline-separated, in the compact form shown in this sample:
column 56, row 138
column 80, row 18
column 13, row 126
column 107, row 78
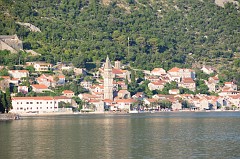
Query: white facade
column 18, row 73
column 37, row 104
column 42, row 66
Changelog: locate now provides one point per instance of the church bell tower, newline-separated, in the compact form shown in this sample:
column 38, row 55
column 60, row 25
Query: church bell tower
column 108, row 80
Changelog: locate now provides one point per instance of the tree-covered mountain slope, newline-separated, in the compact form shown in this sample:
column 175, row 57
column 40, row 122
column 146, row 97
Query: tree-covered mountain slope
column 146, row 33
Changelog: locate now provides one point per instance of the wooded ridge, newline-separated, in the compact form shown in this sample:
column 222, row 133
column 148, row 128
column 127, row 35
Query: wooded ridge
column 146, row 34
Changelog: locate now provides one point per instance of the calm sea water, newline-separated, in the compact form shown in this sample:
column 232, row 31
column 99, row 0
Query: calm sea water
column 142, row 136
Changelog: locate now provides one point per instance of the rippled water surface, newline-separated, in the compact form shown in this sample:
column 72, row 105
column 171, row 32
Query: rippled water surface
column 142, row 136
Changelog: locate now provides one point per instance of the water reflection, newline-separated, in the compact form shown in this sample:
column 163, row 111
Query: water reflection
column 164, row 135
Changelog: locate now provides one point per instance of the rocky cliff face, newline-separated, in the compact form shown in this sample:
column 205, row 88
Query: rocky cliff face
column 222, row 2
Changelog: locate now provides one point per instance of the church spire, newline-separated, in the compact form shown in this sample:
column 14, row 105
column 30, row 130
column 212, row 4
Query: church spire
column 107, row 63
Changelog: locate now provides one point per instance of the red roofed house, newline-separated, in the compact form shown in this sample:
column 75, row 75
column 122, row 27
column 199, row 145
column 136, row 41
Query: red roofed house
column 124, row 104
column 68, row 93
column 96, row 105
column 139, row 96
column 96, row 88
column 158, row 71
column 207, row 69
column 151, row 102
column 39, row 88
column 159, row 85
column 119, row 73
column 230, row 85
column 176, row 74
column 188, row 83
column 201, row 103
column 212, row 83
column 235, row 100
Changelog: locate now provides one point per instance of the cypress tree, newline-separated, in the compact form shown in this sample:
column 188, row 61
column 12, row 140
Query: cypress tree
column 1, row 103
column 8, row 100
column 4, row 103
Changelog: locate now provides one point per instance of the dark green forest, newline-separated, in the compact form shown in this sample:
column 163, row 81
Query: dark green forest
column 145, row 34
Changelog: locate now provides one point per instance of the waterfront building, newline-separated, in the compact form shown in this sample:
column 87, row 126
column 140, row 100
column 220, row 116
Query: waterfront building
column 44, row 104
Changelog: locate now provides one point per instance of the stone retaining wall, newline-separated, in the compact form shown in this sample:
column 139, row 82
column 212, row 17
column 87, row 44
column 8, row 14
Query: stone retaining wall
column 9, row 116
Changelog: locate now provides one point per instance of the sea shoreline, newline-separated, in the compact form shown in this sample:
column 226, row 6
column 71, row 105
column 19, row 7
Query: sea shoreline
column 117, row 113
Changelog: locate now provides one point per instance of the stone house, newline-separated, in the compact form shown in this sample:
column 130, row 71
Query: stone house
column 139, row 96
column 50, row 80
column 176, row 74
column 123, row 94
column 230, row 85
column 212, row 84
column 207, row 69
column 188, row 83
column 86, row 84
column 124, row 104
column 158, row 72
column 159, row 85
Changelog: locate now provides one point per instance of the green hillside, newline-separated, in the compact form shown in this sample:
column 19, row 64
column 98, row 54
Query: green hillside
column 145, row 33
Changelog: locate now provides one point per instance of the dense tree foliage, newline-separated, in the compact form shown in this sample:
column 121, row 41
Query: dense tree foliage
column 5, row 101
column 144, row 33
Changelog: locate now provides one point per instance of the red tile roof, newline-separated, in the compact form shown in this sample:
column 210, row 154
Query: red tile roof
column 158, row 83
column 187, row 80
column 117, row 71
column 22, row 71
column 107, row 100
column 39, row 86
column 5, row 77
column 174, row 69
column 125, row 100
column 67, row 92
column 40, row 98
column 157, row 69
